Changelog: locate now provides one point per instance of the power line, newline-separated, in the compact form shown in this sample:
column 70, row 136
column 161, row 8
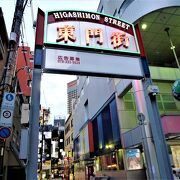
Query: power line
column 24, row 30
column 32, row 16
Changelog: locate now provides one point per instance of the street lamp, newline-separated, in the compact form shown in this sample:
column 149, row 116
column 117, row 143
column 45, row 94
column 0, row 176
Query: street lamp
column 172, row 47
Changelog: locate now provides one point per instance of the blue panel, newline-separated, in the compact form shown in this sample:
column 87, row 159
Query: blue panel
column 38, row 58
column 95, row 135
column 107, row 127
column 114, row 121
column 76, row 148
column 100, row 131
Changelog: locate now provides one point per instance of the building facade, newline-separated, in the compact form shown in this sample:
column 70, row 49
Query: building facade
column 15, row 155
column 71, row 94
column 3, row 59
column 68, row 146
column 58, row 147
column 112, row 133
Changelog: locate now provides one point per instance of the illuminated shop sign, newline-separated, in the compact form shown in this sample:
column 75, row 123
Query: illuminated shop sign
column 90, row 30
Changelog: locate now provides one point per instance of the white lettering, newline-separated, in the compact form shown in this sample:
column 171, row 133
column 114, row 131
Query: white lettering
column 110, row 20
column 97, row 17
column 79, row 15
column 70, row 15
column 56, row 15
column 88, row 16
column 65, row 14
column 74, row 14
column 123, row 25
column 119, row 23
column 114, row 21
column 127, row 26
column 61, row 15
column 83, row 15
column 105, row 19
column 93, row 16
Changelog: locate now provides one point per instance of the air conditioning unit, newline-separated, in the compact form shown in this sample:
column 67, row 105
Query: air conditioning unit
column 25, row 114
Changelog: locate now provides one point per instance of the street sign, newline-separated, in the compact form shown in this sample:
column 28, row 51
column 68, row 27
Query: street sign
column 6, row 114
column 6, row 117
column 5, row 132
column 8, row 100
column 7, row 109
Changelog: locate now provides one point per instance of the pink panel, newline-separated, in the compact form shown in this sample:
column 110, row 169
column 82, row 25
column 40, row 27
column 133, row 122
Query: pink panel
column 171, row 124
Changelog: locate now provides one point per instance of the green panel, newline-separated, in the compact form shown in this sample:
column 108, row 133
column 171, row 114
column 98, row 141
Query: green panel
column 164, row 87
column 160, row 105
column 170, row 106
column 128, row 119
column 127, row 97
column 158, row 98
column 167, row 97
column 163, row 73
column 129, row 106
column 129, row 103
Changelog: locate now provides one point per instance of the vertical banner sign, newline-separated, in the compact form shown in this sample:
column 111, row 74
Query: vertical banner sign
column 7, row 109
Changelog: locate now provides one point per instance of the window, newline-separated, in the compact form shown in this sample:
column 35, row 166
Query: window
column 102, row 9
column 115, row 12
column 109, row 162
column 72, row 123
column 106, row 121
column 72, row 137
column 86, row 110
column 119, row 10
column 166, row 102
column 129, row 102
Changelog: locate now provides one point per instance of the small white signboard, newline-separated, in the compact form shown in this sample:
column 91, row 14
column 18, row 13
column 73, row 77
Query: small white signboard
column 7, row 109
column 92, row 63
column 9, row 100
column 6, row 117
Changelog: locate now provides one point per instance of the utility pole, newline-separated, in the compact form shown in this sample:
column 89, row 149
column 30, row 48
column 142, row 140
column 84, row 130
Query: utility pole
column 13, row 45
column 10, row 66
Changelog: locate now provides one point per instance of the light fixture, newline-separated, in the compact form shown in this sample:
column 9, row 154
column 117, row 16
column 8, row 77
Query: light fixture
column 144, row 26
column 172, row 47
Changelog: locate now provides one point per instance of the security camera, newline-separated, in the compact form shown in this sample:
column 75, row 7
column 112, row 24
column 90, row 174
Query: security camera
column 153, row 90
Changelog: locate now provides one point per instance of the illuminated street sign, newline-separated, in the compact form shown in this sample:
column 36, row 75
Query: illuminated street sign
column 90, row 31
column 79, row 42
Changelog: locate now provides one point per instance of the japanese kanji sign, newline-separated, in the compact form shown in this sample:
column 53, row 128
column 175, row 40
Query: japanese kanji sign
column 90, row 44
column 91, row 31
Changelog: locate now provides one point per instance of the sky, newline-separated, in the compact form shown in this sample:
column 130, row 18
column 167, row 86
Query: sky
column 53, row 87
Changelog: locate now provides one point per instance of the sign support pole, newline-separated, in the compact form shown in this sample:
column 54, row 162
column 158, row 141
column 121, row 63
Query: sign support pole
column 31, row 169
column 159, row 141
column 32, row 164
column 157, row 132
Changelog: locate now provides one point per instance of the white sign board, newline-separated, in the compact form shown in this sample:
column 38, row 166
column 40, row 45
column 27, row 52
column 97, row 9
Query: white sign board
column 8, row 100
column 7, row 109
column 6, row 117
column 92, row 63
